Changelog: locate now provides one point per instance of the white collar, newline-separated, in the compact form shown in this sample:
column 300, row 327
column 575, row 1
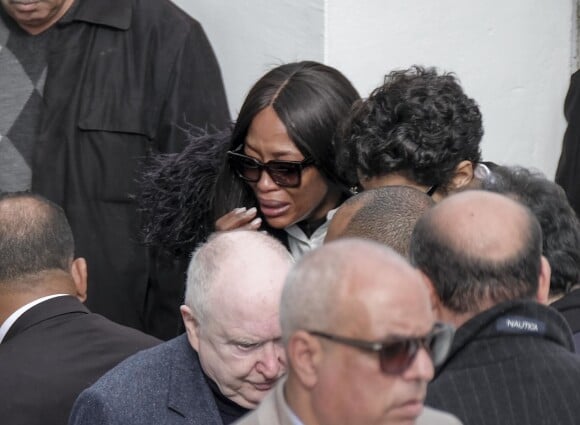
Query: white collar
column 14, row 316
column 299, row 244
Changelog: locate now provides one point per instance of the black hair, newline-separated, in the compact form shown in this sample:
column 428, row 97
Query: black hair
column 388, row 215
column 183, row 194
column 311, row 99
column 465, row 283
column 559, row 223
column 418, row 123
column 34, row 236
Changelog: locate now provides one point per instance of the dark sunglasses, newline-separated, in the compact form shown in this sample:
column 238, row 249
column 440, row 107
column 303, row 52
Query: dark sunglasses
column 432, row 190
column 397, row 354
column 283, row 173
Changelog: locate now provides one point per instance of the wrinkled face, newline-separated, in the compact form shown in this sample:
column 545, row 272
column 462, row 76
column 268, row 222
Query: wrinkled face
column 35, row 16
column 268, row 140
column 351, row 388
column 239, row 340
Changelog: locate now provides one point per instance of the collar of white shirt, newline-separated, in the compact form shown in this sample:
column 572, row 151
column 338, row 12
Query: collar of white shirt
column 14, row 316
column 299, row 244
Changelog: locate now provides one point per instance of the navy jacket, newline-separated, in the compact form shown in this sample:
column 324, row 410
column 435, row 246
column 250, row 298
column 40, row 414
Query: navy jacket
column 163, row 385
column 511, row 365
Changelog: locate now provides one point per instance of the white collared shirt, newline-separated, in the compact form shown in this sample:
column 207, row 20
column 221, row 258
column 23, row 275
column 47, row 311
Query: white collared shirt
column 299, row 244
column 14, row 316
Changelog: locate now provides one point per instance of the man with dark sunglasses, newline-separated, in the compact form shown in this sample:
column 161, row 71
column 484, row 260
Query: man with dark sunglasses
column 360, row 339
column 512, row 360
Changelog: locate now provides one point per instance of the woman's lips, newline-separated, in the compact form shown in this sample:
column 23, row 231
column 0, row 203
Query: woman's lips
column 273, row 209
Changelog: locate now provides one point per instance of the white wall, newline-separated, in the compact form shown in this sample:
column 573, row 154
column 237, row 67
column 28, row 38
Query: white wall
column 512, row 56
column 250, row 37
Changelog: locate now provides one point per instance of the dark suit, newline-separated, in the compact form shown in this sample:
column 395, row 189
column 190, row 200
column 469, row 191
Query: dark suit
column 163, row 385
column 567, row 174
column 510, row 365
column 54, row 351
column 569, row 307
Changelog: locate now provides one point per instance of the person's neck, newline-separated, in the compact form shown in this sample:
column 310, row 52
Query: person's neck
column 36, row 30
column 297, row 398
column 17, row 293
column 318, row 217
column 453, row 318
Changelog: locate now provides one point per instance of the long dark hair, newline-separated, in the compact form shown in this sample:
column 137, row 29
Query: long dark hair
column 311, row 99
column 183, row 194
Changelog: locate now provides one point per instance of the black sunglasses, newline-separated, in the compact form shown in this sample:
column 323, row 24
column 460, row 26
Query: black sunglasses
column 432, row 190
column 283, row 173
column 397, row 354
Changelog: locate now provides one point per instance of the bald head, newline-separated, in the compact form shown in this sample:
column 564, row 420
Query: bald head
column 344, row 214
column 387, row 215
column 478, row 248
column 322, row 286
column 238, row 265
column 35, row 237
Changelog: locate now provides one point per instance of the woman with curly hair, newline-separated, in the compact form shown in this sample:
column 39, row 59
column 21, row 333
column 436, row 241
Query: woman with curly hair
column 418, row 129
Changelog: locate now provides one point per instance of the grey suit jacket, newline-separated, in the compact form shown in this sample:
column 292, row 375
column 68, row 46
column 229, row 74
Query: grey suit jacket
column 162, row 385
column 274, row 411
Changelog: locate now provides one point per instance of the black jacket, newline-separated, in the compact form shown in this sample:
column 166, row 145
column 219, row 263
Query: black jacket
column 568, row 172
column 53, row 352
column 163, row 386
column 569, row 307
column 124, row 78
column 511, row 365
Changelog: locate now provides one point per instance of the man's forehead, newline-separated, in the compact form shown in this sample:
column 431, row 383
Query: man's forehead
column 386, row 298
column 258, row 327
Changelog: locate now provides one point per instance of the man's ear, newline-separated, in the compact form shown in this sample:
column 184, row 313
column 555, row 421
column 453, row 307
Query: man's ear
column 192, row 326
column 304, row 353
column 543, row 293
column 462, row 176
column 78, row 272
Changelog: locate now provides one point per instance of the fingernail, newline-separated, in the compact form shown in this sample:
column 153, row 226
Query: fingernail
column 251, row 211
column 255, row 222
column 240, row 210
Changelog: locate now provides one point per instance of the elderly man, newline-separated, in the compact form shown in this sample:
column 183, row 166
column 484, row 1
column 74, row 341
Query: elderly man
column 512, row 359
column 360, row 338
column 386, row 215
column 51, row 346
column 230, row 357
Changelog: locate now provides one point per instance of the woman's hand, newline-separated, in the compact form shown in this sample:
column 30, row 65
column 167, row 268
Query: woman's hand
column 239, row 218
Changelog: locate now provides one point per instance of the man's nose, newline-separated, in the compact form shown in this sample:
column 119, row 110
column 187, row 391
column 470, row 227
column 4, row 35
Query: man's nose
column 421, row 368
column 272, row 361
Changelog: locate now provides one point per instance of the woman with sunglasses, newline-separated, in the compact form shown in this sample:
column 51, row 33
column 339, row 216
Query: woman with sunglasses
column 279, row 173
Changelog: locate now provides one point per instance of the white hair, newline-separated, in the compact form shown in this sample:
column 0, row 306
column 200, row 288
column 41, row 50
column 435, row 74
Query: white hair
column 212, row 256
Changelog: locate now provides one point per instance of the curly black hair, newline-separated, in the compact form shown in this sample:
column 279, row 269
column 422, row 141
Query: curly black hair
column 559, row 223
column 417, row 123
